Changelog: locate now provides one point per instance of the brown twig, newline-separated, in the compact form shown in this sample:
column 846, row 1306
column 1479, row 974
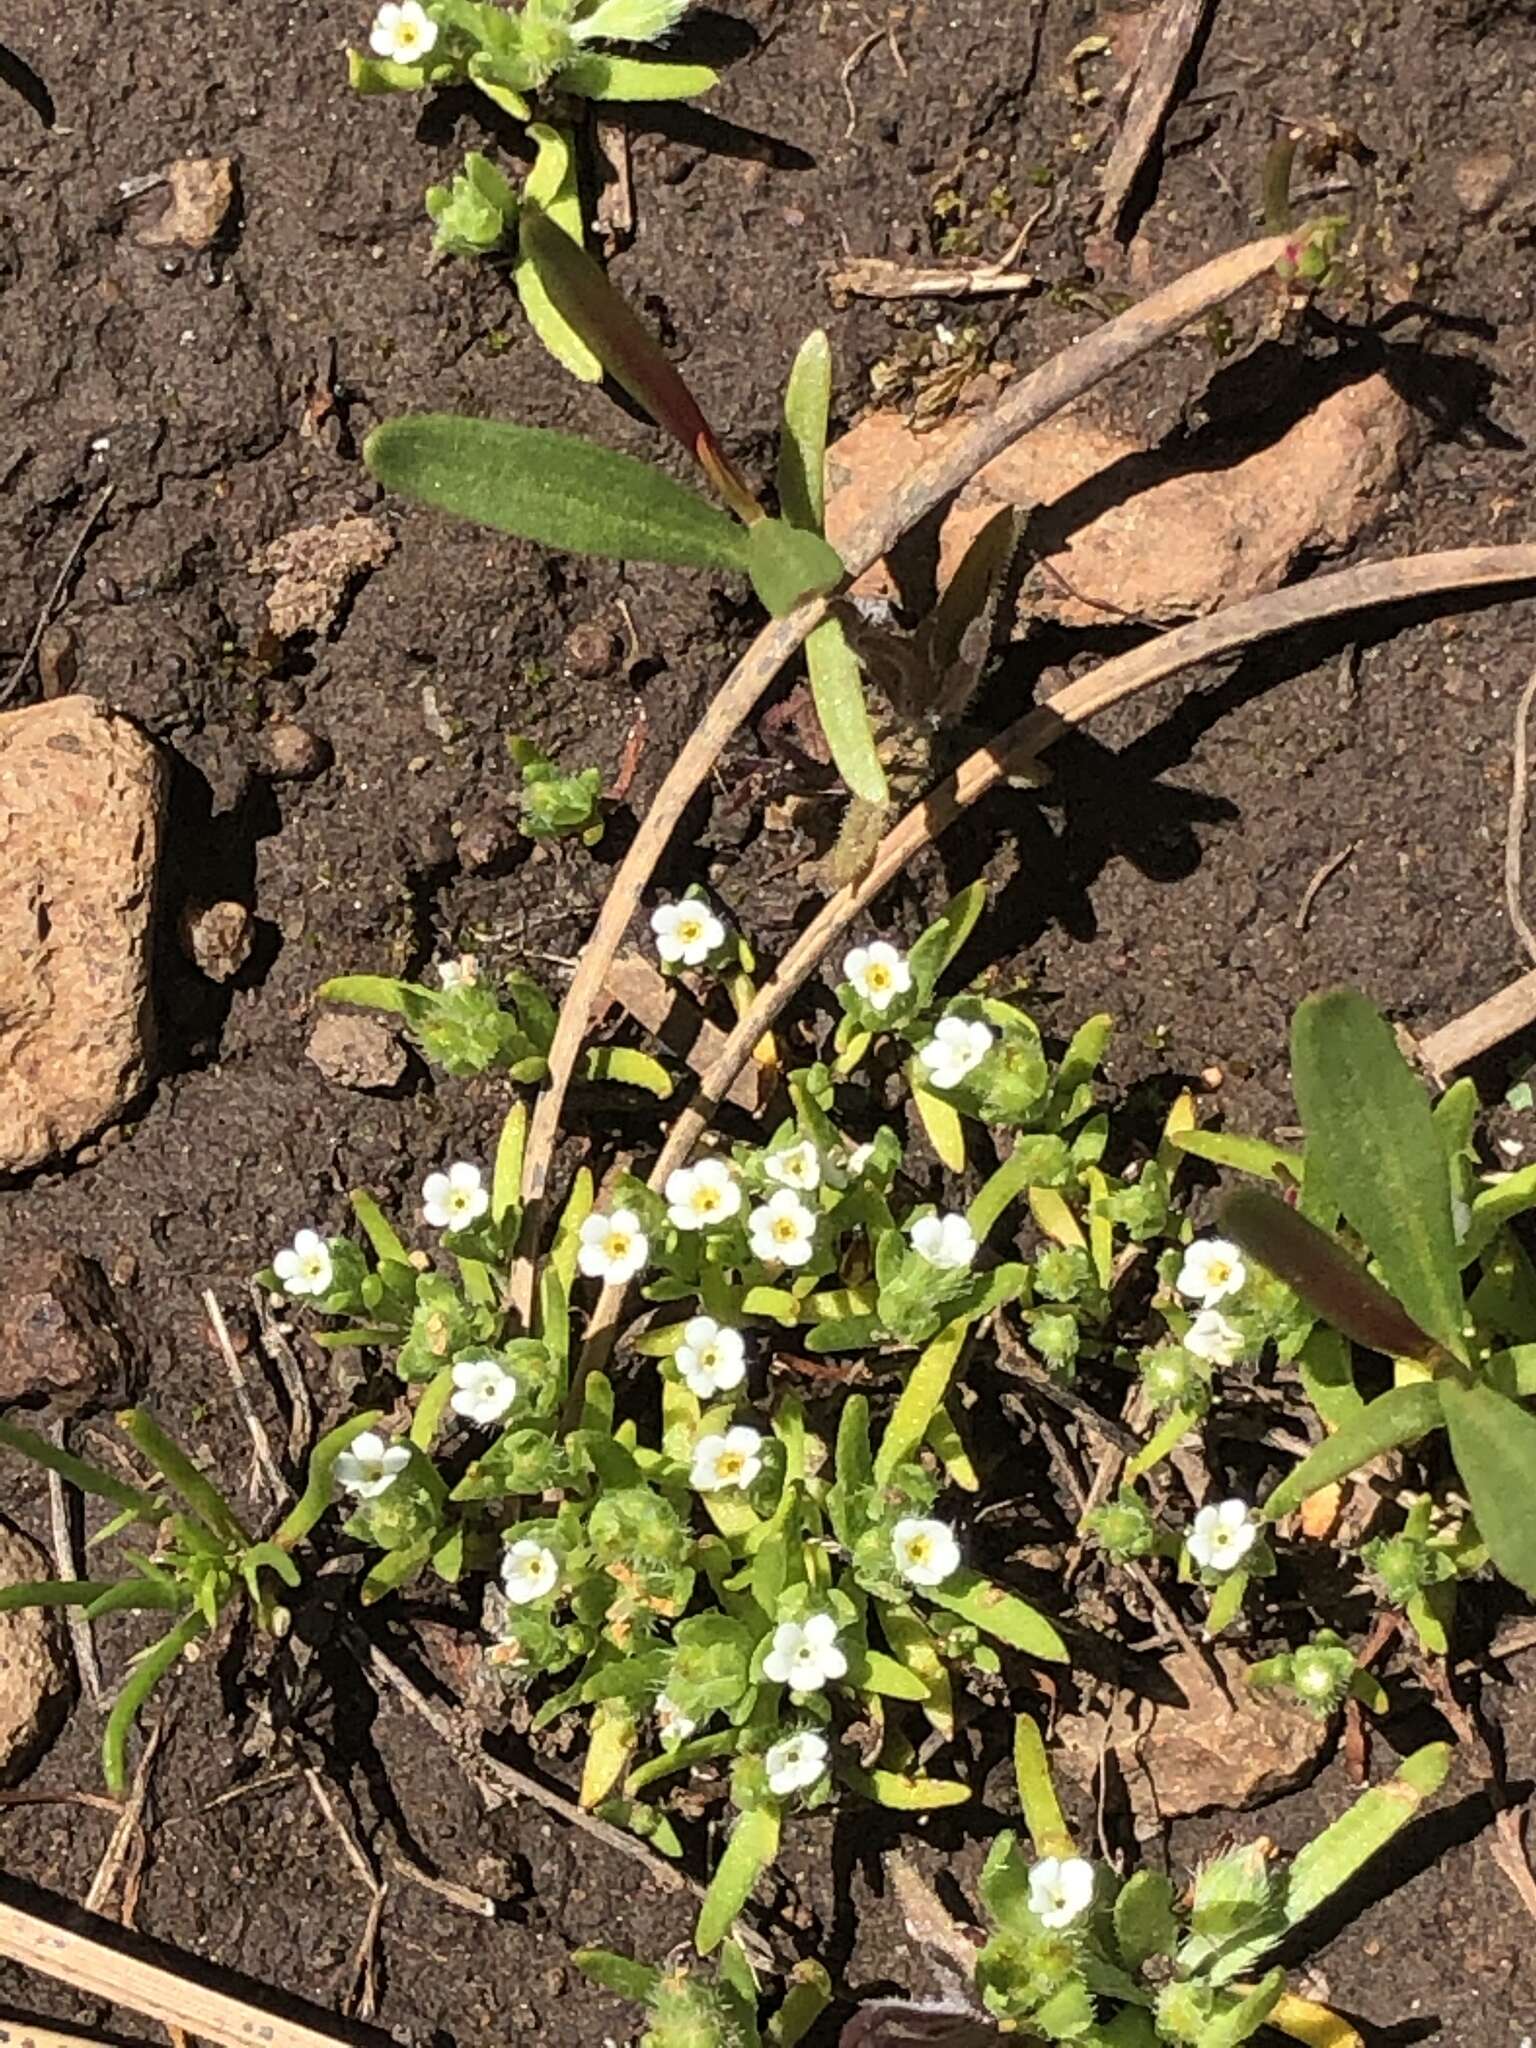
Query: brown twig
column 669, row 1014
column 877, row 277
column 1173, row 36
column 1025, row 405
column 27, row 2034
column 1329, row 868
column 362, row 1996
column 301, row 1407
column 82, row 1640
column 14, row 680
column 845, row 78
column 1514, row 835
column 266, row 1464
column 461, row 1895
column 1225, row 632
column 127, row 1835
column 1481, row 1028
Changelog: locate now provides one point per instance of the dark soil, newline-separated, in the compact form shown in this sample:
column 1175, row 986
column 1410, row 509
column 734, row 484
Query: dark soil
column 1161, row 880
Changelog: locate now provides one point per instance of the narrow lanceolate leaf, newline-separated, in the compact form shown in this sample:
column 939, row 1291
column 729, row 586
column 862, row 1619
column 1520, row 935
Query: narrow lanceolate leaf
column 1400, row 1416
column 1371, row 1135
column 1001, row 1614
column 368, row 991
column 551, row 184
column 552, row 488
column 907, row 1792
column 618, row 1974
column 1493, row 1440
column 927, row 1384
column 592, row 77
column 1318, row 1269
column 787, row 565
column 635, row 1069
column 1246, row 1155
column 942, row 1122
column 1043, row 1817
column 944, row 938
column 837, row 689
column 628, row 21
column 607, row 324
column 753, row 1845
column 1335, row 1856
column 803, row 450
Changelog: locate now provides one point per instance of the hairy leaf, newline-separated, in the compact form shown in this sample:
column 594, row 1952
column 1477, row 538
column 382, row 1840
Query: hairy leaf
column 1400, row 1416
column 927, row 1384
column 1330, row 1282
column 552, row 185
column 1245, row 1155
column 1493, row 1440
column 837, row 689
column 753, row 1845
column 1331, row 1859
column 618, row 1974
column 787, row 565
column 803, row 447
column 592, row 77
column 999, row 1613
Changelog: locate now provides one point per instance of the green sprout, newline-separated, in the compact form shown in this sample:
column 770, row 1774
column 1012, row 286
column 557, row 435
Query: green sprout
column 556, row 805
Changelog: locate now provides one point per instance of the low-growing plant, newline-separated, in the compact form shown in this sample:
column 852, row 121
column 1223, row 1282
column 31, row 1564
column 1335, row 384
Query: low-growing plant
column 689, row 2007
column 556, row 804
column 196, row 1559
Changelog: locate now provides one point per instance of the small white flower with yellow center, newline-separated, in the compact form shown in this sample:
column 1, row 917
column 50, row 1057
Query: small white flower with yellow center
column 805, row 1655
column 613, row 1248
column 796, row 1166
column 734, row 1459
column 1060, row 1890
column 1212, row 1269
column 455, row 1199
column 796, row 1762
column 783, row 1231
column 701, row 1196
column 371, row 1465
column 711, row 1359
column 925, row 1551
column 947, row 1242
column 461, row 973
column 1221, row 1537
column 672, row 1725
column 483, row 1390
column 958, row 1046
column 686, row 932
column 305, row 1267
column 403, row 32
column 1211, row 1337
column 529, row 1570
column 879, row 973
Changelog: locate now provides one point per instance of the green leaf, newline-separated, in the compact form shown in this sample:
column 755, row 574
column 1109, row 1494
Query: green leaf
column 147, row 1673
column 202, row 1497
column 893, row 1681
column 1400, row 1416
column 999, row 1613
column 634, row 1069
column 552, row 185
column 507, row 1172
column 1495, row 1206
column 943, row 1124
column 316, row 1497
column 1043, row 1817
column 944, row 1440
column 1493, row 1441
column 942, row 941
column 753, row 1845
column 55, row 1593
column 1240, row 2022
column 1035, row 1160
column 592, row 77
column 962, row 613
column 1226, row 1602
column 906, row 1791
column 133, row 1500
column 1145, row 1922
column 552, row 488
column 927, row 1384
column 1243, row 1155
column 1372, row 1137
column 379, row 1232
column 837, row 689
column 374, row 75
column 788, row 565
column 807, row 1997
column 369, row 992
column 628, row 21
column 1332, row 1858
column 618, row 1974
column 1318, row 1269
column 803, row 448
column 1327, row 1373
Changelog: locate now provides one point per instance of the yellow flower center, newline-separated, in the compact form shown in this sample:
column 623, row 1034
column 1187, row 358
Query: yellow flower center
column 785, row 1229
column 1217, row 1273
column 407, row 36
column 690, row 930
column 617, row 1244
column 730, row 1465
column 879, row 977
column 919, row 1549
column 706, row 1201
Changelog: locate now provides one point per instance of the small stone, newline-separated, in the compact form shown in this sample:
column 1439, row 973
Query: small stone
column 484, row 842
column 216, row 937
column 1482, row 180
column 315, row 566
column 356, row 1052
column 591, row 651
column 57, row 662
column 59, row 1333
column 81, row 799
column 293, row 753
column 202, row 191
column 35, row 1676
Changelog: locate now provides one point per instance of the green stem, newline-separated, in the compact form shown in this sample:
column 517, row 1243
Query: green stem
column 147, row 1674
column 144, row 1507
column 199, row 1492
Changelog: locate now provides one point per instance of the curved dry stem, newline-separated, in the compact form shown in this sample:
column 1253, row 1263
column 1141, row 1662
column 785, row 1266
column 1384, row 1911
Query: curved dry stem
column 1225, row 632
column 1027, row 403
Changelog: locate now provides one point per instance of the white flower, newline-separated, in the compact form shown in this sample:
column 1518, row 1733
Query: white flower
column 925, row 1552
column 1211, row 1337
column 796, row 1762
column 711, row 1358
column 483, row 1390
column 1060, row 1890
column 783, row 1230
column 805, row 1655
column 528, row 1571
column 958, row 1044
column 701, row 1196
column 461, row 973
column 671, row 1725
column 1212, row 1270
column 944, row 1241
column 734, row 1459
column 796, row 1166
column 402, row 31
column 372, row 1465
column 687, row 932
column 613, row 1248
column 1221, row 1537
column 879, row 973
column 859, row 1158
column 455, row 1199
column 305, row 1267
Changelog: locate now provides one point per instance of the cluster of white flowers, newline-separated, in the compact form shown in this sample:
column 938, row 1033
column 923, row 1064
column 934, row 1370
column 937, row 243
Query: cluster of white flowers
column 403, row 32
column 958, row 1046
column 686, row 932
column 1220, row 1537
column 1060, row 1890
column 456, row 1199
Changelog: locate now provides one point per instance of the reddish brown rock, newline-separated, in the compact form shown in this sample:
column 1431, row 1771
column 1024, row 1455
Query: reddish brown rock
column 356, row 1052
column 201, row 191
column 315, row 566
column 35, row 1674
column 216, row 937
column 59, row 1333
column 81, row 798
